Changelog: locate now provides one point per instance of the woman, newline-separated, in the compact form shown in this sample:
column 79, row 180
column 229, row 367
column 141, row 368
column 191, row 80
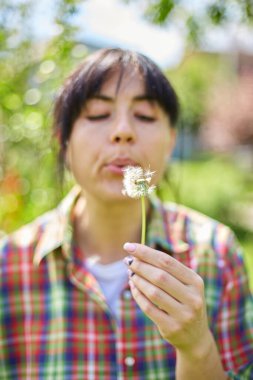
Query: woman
column 70, row 309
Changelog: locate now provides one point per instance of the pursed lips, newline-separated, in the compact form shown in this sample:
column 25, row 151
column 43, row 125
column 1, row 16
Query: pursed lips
column 117, row 165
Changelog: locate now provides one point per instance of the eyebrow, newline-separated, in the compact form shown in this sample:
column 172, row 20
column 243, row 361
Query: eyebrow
column 138, row 98
column 105, row 98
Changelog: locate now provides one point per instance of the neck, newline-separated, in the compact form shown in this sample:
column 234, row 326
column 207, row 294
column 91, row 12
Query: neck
column 101, row 229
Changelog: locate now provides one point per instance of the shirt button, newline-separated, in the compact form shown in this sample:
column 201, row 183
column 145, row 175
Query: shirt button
column 127, row 294
column 129, row 361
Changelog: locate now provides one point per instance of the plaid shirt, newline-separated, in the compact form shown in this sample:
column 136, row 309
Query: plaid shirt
column 56, row 325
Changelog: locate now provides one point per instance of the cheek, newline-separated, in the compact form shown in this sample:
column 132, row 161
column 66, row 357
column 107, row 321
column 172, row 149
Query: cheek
column 84, row 155
column 74, row 153
column 160, row 143
column 160, row 147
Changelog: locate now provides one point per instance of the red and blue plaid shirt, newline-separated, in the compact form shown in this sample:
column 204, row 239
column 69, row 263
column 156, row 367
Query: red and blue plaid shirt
column 55, row 323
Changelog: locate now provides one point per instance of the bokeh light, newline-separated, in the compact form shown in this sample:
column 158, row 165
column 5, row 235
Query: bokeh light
column 32, row 96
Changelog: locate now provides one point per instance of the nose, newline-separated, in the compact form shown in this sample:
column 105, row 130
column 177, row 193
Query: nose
column 123, row 132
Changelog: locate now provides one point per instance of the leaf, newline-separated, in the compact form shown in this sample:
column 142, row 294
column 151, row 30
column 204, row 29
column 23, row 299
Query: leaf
column 160, row 11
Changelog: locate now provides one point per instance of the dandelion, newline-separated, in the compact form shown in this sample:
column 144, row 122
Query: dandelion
column 136, row 183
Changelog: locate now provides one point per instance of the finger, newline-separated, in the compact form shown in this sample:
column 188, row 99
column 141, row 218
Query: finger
column 162, row 280
column 158, row 297
column 158, row 316
column 172, row 329
column 162, row 260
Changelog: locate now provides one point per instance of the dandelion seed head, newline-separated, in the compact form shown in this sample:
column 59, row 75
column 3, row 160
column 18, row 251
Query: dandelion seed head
column 136, row 182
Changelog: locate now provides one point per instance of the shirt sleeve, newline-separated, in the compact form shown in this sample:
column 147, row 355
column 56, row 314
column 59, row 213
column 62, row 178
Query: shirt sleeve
column 234, row 327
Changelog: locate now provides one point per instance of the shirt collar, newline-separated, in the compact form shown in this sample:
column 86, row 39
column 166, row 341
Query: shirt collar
column 164, row 229
column 57, row 230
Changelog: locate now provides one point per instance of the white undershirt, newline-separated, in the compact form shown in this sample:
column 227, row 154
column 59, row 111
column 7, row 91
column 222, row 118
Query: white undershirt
column 112, row 278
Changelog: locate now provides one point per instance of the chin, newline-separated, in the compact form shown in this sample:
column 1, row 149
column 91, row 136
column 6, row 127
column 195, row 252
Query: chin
column 114, row 197
column 108, row 192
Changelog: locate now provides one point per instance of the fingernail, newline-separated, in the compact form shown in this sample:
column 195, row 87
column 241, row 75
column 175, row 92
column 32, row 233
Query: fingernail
column 130, row 247
column 128, row 260
column 130, row 273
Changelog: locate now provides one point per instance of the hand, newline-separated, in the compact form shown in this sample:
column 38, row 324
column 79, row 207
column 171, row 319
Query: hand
column 172, row 296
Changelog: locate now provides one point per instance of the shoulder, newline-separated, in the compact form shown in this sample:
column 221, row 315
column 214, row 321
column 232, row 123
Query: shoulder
column 214, row 251
column 197, row 228
column 21, row 244
column 42, row 236
column 190, row 218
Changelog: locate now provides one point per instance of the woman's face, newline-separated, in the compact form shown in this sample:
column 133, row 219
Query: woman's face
column 117, row 128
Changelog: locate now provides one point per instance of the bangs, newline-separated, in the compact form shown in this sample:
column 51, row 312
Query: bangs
column 104, row 68
column 156, row 85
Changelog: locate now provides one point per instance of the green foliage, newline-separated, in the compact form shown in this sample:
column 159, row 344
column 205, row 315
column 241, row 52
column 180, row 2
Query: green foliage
column 247, row 10
column 158, row 12
column 217, row 12
column 32, row 72
column 209, row 185
column 193, row 80
column 197, row 19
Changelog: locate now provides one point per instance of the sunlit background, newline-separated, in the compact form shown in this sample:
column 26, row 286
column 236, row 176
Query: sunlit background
column 205, row 48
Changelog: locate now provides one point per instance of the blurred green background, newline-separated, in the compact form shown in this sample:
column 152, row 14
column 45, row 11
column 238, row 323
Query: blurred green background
column 211, row 169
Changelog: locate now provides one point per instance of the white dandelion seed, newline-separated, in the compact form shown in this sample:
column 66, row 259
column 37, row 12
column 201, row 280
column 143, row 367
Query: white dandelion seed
column 136, row 182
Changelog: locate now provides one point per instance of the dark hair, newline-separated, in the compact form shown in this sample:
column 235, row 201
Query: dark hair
column 88, row 78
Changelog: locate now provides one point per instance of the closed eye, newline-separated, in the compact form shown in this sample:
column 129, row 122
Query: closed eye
column 98, row 117
column 148, row 119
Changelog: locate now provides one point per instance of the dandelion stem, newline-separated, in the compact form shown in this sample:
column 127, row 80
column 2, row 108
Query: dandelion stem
column 143, row 224
column 136, row 184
